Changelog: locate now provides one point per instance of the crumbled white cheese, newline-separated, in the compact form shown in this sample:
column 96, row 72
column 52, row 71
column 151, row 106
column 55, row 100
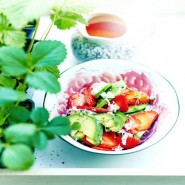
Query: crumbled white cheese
column 125, row 136
column 118, row 148
column 130, row 124
column 97, row 87
column 113, row 107
column 72, row 110
column 107, row 95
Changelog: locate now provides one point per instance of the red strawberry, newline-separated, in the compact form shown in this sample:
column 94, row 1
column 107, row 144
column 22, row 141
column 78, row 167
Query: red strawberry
column 135, row 97
column 121, row 101
column 131, row 142
column 93, row 109
column 90, row 99
column 141, row 121
column 76, row 100
column 108, row 141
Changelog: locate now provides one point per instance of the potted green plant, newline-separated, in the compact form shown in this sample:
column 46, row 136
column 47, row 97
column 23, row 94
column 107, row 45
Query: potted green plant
column 22, row 129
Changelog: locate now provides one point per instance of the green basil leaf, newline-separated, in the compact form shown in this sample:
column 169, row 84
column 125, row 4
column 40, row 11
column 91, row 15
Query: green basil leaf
column 13, row 61
column 19, row 133
column 15, row 113
column 48, row 53
column 17, row 157
column 75, row 126
column 7, row 81
column 40, row 140
column 66, row 20
column 43, row 81
column 59, row 125
column 8, row 95
column 40, row 116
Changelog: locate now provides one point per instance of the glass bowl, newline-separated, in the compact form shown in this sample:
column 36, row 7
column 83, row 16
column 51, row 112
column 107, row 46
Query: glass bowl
column 137, row 76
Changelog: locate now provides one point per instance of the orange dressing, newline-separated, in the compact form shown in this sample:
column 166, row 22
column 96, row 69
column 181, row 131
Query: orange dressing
column 106, row 29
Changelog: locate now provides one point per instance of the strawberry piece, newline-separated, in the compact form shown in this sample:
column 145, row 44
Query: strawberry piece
column 131, row 142
column 135, row 97
column 90, row 99
column 94, row 109
column 87, row 142
column 76, row 100
column 108, row 141
column 121, row 101
column 141, row 121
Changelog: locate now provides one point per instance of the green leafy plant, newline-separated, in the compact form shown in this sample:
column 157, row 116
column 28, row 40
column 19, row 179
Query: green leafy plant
column 22, row 129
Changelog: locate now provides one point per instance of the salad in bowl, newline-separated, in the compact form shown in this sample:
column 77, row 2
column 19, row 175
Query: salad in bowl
column 114, row 106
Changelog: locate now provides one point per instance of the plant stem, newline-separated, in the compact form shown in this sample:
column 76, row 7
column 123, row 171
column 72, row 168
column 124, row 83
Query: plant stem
column 34, row 35
column 51, row 25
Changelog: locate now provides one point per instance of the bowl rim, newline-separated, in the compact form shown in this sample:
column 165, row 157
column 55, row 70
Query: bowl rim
column 128, row 151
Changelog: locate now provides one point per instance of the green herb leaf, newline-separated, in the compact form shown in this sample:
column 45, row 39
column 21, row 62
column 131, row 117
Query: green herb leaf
column 9, row 35
column 20, row 12
column 8, row 95
column 13, row 61
column 20, row 133
column 43, row 81
column 3, row 115
column 76, row 6
column 48, row 53
column 18, row 157
column 54, row 70
column 7, row 81
column 40, row 116
column 59, row 125
column 15, row 113
column 75, row 126
column 67, row 20
column 40, row 140
column 49, row 134
column 1, row 146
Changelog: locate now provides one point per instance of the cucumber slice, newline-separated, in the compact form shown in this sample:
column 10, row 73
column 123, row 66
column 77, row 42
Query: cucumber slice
column 104, row 89
column 136, row 108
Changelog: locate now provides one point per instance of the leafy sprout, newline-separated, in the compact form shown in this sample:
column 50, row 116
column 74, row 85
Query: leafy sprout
column 23, row 130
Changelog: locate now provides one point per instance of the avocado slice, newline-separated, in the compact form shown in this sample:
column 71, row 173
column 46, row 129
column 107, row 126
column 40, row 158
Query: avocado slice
column 89, row 126
column 121, row 119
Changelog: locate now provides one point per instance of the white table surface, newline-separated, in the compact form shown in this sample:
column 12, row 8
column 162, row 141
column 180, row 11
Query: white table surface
column 164, row 51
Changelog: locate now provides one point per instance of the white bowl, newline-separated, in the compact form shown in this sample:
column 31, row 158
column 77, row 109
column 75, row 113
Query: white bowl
column 167, row 100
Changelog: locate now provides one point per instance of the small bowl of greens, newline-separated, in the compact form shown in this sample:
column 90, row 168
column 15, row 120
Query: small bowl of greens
column 114, row 106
